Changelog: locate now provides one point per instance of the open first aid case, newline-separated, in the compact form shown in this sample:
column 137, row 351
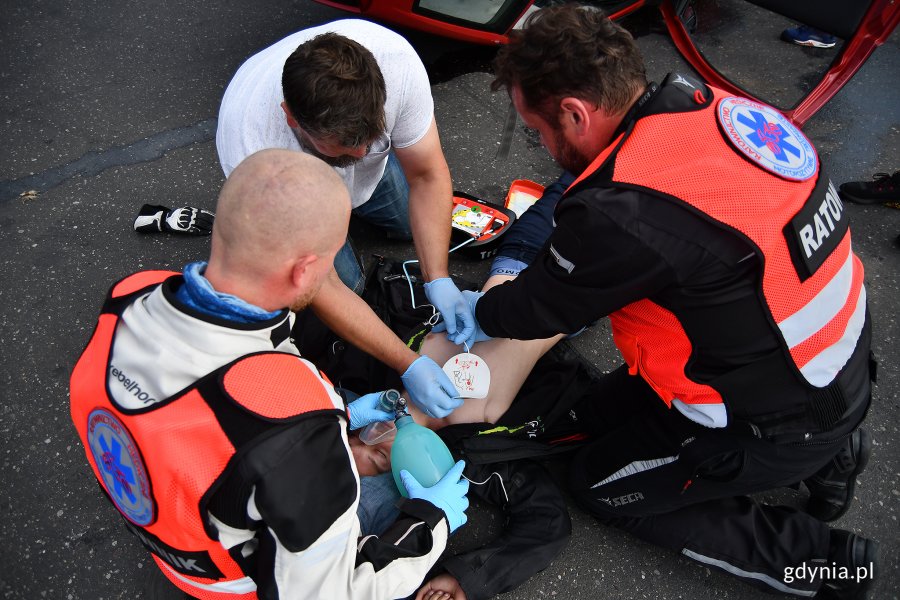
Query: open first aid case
column 479, row 224
column 522, row 194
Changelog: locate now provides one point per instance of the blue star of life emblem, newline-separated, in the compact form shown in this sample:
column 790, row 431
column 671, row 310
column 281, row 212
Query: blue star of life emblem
column 120, row 466
column 768, row 138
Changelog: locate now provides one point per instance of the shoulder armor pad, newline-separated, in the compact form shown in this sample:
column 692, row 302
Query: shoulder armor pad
column 680, row 93
column 277, row 385
column 139, row 281
column 123, row 291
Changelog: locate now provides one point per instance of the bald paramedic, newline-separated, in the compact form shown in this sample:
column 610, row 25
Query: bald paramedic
column 223, row 450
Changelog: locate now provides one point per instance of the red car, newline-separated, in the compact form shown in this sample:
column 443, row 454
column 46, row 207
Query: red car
column 863, row 24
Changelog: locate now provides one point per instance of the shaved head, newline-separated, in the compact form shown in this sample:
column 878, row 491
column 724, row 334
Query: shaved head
column 277, row 205
column 276, row 208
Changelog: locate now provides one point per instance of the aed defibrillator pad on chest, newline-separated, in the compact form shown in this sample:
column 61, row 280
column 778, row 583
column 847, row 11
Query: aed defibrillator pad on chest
column 767, row 138
column 470, row 374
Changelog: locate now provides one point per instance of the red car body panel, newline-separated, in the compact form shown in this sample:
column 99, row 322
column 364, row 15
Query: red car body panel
column 879, row 21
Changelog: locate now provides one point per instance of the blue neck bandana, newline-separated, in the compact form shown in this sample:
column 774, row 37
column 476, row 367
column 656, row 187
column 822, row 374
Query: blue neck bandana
column 198, row 293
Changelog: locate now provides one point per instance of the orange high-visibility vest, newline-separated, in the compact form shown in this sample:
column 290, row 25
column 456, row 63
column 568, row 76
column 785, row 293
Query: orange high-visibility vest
column 158, row 464
column 812, row 282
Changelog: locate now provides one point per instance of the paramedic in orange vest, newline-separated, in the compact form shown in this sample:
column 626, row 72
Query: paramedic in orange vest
column 706, row 228
column 225, row 452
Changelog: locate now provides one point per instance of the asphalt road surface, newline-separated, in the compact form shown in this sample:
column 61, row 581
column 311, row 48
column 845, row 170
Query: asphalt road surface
column 109, row 105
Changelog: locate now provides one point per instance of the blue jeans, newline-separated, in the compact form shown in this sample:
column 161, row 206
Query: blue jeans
column 377, row 508
column 348, row 268
column 387, row 209
column 530, row 231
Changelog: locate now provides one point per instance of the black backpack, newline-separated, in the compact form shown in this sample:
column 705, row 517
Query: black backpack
column 387, row 292
column 393, row 296
column 540, row 422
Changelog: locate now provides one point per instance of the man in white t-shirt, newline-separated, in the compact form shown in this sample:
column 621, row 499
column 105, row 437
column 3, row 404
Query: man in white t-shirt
column 357, row 96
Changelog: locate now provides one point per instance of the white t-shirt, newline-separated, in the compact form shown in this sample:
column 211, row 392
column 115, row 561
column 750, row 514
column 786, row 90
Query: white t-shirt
column 251, row 117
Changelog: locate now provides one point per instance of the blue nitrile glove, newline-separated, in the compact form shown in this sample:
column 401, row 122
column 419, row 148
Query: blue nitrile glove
column 459, row 320
column 430, row 388
column 448, row 494
column 478, row 335
column 366, row 409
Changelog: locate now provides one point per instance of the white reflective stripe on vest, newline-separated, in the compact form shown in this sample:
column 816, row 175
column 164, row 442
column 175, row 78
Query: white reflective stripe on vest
column 244, row 585
column 817, row 314
column 822, row 369
column 819, row 311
